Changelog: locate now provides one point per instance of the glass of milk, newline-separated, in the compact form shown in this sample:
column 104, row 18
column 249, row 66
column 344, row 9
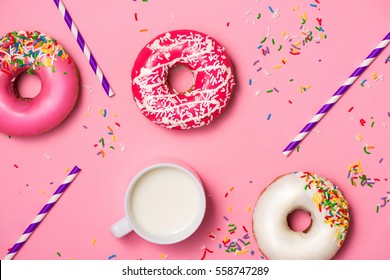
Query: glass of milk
column 164, row 204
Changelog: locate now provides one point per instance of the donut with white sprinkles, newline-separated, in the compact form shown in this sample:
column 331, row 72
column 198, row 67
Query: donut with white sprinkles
column 213, row 80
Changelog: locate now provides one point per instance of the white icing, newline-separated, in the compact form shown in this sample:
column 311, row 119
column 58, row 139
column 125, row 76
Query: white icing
column 195, row 108
column 273, row 235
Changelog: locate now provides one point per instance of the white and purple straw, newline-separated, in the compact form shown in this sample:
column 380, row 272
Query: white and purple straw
column 336, row 96
column 84, row 47
column 41, row 215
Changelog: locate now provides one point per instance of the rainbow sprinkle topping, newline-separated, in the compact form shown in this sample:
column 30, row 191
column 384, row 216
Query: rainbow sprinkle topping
column 30, row 50
column 329, row 201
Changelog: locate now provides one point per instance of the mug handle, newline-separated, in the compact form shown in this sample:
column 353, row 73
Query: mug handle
column 121, row 228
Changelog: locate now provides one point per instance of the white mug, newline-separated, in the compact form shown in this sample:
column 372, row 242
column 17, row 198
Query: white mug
column 165, row 203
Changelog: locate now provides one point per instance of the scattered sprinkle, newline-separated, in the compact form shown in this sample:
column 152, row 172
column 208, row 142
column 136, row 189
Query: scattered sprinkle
column 355, row 172
column 365, row 150
column 47, row 156
column 111, row 257
column 162, row 256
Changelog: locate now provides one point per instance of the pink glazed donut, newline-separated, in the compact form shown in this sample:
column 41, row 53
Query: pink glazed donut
column 38, row 54
column 212, row 73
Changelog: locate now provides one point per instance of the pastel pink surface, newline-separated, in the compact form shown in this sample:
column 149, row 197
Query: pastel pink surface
column 242, row 149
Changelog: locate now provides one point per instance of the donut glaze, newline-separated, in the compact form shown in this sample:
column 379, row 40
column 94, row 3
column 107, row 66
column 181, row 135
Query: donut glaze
column 40, row 55
column 300, row 190
column 212, row 73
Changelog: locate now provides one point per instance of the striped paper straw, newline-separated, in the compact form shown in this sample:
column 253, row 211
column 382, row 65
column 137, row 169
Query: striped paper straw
column 42, row 214
column 84, row 47
column 336, row 96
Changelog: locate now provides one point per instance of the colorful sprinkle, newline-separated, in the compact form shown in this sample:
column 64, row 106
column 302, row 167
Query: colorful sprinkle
column 365, row 150
column 162, row 256
column 329, row 201
column 29, row 49
column 359, row 138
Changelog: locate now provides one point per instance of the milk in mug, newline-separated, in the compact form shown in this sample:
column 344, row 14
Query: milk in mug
column 165, row 201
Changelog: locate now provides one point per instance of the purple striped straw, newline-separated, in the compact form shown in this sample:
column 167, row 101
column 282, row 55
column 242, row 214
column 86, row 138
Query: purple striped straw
column 41, row 215
column 84, row 47
column 336, row 96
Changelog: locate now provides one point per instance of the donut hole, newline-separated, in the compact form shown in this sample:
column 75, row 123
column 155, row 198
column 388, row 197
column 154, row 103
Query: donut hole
column 299, row 220
column 181, row 79
column 27, row 86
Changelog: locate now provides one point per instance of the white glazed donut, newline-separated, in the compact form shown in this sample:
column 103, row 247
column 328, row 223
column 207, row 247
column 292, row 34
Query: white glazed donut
column 300, row 190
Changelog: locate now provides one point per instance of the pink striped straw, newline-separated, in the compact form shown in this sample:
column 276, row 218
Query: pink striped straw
column 84, row 47
column 42, row 214
column 336, row 96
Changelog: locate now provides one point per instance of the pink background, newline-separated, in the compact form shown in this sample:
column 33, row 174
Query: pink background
column 241, row 149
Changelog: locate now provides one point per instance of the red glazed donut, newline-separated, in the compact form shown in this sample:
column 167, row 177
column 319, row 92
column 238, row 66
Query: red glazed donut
column 211, row 69
column 38, row 54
